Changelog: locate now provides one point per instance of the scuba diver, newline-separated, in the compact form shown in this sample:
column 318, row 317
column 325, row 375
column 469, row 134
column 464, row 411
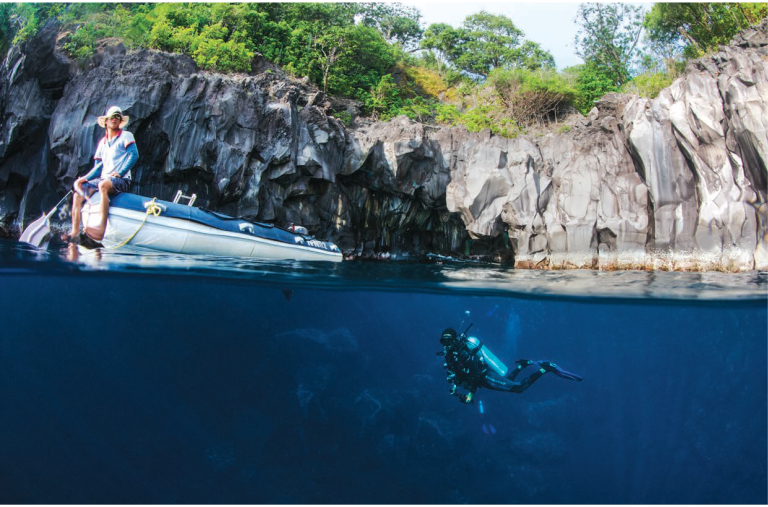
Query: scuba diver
column 471, row 365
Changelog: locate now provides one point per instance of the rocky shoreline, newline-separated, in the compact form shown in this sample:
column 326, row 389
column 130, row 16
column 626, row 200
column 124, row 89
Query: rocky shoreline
column 673, row 183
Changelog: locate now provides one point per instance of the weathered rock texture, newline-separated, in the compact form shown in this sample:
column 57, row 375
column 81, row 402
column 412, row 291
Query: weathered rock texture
column 676, row 182
column 262, row 146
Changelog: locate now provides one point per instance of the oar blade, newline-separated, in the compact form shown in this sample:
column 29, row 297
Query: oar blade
column 38, row 233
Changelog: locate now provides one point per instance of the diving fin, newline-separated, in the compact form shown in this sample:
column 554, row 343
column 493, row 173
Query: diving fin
column 553, row 368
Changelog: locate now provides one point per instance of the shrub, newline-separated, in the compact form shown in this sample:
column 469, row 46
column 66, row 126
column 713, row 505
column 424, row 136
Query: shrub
column 647, row 85
column 344, row 116
column 211, row 51
column 419, row 109
column 532, row 96
column 381, row 102
column 477, row 119
column 592, row 82
column 81, row 42
column 427, row 82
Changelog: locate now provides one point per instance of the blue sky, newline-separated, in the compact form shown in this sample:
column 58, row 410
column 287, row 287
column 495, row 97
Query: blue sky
column 548, row 23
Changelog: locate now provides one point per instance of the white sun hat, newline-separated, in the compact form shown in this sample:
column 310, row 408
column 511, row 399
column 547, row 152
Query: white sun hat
column 114, row 110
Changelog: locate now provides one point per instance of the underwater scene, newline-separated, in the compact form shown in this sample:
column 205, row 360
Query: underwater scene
column 141, row 378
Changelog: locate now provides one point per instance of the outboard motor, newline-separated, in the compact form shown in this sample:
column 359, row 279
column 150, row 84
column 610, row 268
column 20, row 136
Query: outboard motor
column 491, row 360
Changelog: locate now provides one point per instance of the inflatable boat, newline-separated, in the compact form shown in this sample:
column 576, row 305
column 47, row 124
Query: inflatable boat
column 182, row 228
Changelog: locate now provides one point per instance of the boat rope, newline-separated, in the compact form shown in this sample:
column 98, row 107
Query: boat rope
column 152, row 209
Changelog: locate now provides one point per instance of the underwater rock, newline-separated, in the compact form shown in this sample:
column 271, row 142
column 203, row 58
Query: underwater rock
column 434, row 432
column 340, row 340
column 371, row 406
column 542, row 444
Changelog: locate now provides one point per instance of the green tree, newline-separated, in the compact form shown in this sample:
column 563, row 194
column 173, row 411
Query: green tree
column 489, row 41
column 320, row 14
column 442, row 40
column 531, row 56
column 331, row 47
column 609, row 36
column 382, row 97
column 365, row 59
column 398, row 23
column 213, row 49
column 484, row 42
column 700, row 27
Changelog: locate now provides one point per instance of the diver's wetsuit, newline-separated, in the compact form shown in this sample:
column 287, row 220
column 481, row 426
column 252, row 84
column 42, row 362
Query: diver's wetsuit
column 470, row 369
column 467, row 368
column 492, row 380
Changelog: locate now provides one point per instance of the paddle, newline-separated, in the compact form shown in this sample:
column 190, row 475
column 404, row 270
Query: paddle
column 38, row 232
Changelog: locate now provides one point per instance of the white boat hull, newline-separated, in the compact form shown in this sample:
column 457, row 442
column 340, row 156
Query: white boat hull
column 175, row 235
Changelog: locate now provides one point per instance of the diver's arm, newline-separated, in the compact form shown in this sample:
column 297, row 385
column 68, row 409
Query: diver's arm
column 469, row 397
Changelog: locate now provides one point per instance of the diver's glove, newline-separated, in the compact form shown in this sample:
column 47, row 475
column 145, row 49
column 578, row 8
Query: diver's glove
column 466, row 398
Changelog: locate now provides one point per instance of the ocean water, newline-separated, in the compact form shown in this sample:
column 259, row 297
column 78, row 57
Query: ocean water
column 134, row 378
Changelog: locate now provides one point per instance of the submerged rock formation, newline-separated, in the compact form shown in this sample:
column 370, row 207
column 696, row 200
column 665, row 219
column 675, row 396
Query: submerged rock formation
column 677, row 182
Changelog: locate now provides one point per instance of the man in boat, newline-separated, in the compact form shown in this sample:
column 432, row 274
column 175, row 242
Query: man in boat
column 115, row 155
column 472, row 365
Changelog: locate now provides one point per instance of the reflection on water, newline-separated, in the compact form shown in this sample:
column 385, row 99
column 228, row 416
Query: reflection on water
column 443, row 275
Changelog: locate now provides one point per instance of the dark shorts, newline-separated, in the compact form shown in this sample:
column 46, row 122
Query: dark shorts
column 119, row 184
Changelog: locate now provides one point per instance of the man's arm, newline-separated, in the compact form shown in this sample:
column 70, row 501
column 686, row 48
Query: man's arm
column 133, row 156
column 97, row 166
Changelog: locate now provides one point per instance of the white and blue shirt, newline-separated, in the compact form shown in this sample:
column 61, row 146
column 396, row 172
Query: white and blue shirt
column 118, row 155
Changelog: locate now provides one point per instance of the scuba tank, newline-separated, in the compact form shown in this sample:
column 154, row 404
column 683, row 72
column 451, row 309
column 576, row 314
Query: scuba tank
column 491, row 360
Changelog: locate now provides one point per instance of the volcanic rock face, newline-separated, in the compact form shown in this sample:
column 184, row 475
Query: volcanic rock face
column 263, row 147
column 681, row 175
column 674, row 182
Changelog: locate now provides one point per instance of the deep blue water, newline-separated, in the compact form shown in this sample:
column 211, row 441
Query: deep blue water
column 163, row 380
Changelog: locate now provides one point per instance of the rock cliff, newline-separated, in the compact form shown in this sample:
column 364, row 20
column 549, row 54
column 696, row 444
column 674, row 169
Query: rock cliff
column 677, row 182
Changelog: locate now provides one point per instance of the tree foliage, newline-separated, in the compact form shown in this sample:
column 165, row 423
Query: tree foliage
column 608, row 36
column 398, row 23
column 487, row 42
column 481, row 74
column 700, row 27
column 592, row 82
column 442, row 40
column 483, row 43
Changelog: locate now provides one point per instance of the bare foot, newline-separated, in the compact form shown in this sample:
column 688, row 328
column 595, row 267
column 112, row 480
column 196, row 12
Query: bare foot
column 71, row 237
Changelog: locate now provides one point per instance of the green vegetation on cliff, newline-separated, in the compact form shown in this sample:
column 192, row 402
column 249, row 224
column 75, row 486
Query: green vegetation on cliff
column 482, row 74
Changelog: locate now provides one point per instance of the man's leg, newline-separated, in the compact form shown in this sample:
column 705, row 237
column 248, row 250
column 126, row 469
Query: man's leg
column 105, row 188
column 77, row 207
